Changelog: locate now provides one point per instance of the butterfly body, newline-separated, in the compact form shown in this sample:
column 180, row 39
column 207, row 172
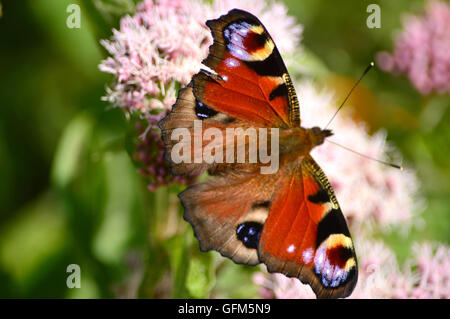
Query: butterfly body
column 302, row 140
column 288, row 219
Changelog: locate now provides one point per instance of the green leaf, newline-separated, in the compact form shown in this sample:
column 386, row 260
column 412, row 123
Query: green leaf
column 201, row 276
column 235, row 281
column 73, row 143
column 120, row 197
column 179, row 264
column 35, row 234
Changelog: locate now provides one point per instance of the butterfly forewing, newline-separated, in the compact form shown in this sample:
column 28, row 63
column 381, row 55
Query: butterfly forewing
column 251, row 81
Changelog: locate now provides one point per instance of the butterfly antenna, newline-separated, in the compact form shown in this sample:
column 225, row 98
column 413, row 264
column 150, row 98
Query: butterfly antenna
column 400, row 167
column 350, row 92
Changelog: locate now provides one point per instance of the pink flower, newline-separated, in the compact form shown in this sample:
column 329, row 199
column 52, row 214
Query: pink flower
column 433, row 268
column 379, row 273
column 422, row 50
column 162, row 44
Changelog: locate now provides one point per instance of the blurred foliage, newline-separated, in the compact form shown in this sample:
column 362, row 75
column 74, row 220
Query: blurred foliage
column 71, row 195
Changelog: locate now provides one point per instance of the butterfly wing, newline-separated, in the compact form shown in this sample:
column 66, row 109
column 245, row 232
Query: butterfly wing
column 249, row 79
column 306, row 235
column 289, row 220
column 227, row 213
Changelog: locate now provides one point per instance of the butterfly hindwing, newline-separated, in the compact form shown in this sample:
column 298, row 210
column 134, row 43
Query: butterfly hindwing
column 315, row 244
column 228, row 213
column 290, row 221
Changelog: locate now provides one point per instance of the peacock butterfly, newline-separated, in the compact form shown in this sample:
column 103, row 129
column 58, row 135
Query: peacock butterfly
column 289, row 219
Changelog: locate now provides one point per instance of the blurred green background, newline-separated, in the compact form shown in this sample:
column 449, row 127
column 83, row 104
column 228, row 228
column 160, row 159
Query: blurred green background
column 69, row 192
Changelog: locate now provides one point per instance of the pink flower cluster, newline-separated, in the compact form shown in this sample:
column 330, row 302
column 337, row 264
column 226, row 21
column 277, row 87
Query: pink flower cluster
column 422, row 50
column 433, row 263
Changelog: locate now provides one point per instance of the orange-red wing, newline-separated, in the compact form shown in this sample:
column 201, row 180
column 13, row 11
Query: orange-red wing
column 306, row 236
column 228, row 212
column 250, row 81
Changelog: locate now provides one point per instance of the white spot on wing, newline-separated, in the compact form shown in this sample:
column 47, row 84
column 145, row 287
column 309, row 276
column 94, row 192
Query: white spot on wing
column 307, row 255
column 231, row 63
column 291, row 249
column 238, row 52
